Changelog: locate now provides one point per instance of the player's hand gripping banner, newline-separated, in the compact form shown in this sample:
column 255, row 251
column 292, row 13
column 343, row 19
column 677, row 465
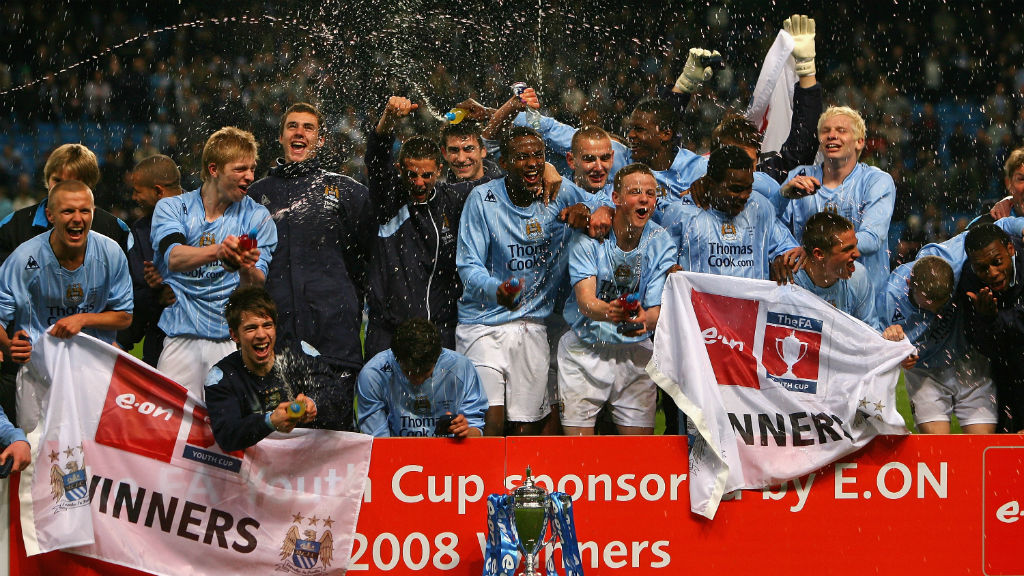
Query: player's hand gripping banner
column 774, row 381
column 125, row 469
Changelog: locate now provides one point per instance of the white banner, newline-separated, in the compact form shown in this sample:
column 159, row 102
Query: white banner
column 775, row 382
column 125, row 469
column 771, row 105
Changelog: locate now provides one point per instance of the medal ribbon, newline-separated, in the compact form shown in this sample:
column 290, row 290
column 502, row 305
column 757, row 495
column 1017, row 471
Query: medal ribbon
column 501, row 556
column 563, row 529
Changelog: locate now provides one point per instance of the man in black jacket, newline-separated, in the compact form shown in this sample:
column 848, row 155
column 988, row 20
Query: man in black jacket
column 412, row 270
column 991, row 291
column 250, row 393
column 325, row 230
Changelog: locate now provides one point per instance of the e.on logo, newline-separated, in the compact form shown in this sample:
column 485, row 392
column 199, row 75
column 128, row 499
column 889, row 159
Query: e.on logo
column 142, row 412
column 1002, row 525
column 727, row 325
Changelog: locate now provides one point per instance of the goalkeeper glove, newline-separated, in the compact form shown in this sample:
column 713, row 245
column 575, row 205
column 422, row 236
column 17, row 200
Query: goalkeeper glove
column 697, row 69
column 802, row 29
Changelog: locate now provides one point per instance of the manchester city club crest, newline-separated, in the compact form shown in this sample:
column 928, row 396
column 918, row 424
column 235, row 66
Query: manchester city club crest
column 831, row 207
column 69, row 486
column 623, row 275
column 207, row 239
column 306, row 554
column 534, row 230
column 74, row 295
column 728, row 231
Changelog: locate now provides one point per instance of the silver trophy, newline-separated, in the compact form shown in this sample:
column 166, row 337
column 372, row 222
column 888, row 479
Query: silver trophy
column 531, row 515
column 791, row 349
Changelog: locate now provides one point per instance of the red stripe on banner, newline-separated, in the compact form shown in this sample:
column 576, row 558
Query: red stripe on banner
column 140, row 415
column 728, row 325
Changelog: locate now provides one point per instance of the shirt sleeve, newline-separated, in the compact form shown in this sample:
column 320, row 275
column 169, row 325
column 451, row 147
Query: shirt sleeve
column 863, row 295
column 9, row 434
column 662, row 258
column 557, row 136
column 121, row 297
column 11, row 284
column 471, row 258
column 371, row 388
column 382, row 178
column 474, row 399
column 582, row 259
column 166, row 225
column 876, row 213
column 780, row 239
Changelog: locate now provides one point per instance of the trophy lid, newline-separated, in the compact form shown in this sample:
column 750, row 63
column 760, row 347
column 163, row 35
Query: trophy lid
column 529, row 492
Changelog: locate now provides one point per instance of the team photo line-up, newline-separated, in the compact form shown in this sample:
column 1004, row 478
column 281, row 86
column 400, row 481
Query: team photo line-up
column 488, row 293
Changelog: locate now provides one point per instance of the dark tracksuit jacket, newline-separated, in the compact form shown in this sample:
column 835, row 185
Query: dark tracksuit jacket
column 412, row 270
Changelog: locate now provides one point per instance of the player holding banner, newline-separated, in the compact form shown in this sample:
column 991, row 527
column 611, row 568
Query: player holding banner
column 603, row 359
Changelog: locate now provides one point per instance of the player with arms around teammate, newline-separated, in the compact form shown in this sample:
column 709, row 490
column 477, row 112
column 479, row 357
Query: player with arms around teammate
column 603, row 359
column 507, row 232
column 197, row 251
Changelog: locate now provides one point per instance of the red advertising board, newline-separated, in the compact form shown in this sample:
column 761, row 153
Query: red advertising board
column 904, row 505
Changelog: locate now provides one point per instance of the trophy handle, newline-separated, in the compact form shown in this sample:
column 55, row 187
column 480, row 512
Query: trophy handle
column 778, row 348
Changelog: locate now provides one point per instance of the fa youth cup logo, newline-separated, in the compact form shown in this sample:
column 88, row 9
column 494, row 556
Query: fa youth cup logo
column 534, row 230
column 306, row 555
column 68, row 483
column 74, row 294
column 790, row 354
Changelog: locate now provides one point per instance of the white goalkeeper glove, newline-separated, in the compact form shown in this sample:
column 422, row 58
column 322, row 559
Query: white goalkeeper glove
column 801, row 28
column 696, row 70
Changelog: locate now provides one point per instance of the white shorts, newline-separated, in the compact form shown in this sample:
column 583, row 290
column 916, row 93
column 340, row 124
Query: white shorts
column 187, row 360
column 592, row 375
column 964, row 389
column 512, row 362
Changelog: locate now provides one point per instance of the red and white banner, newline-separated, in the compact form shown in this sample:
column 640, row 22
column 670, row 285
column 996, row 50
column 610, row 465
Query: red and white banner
column 892, row 508
column 775, row 382
column 126, row 470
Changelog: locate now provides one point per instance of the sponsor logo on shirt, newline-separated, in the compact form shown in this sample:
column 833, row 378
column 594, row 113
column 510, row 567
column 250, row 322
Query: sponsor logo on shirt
column 490, row 197
column 32, row 264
